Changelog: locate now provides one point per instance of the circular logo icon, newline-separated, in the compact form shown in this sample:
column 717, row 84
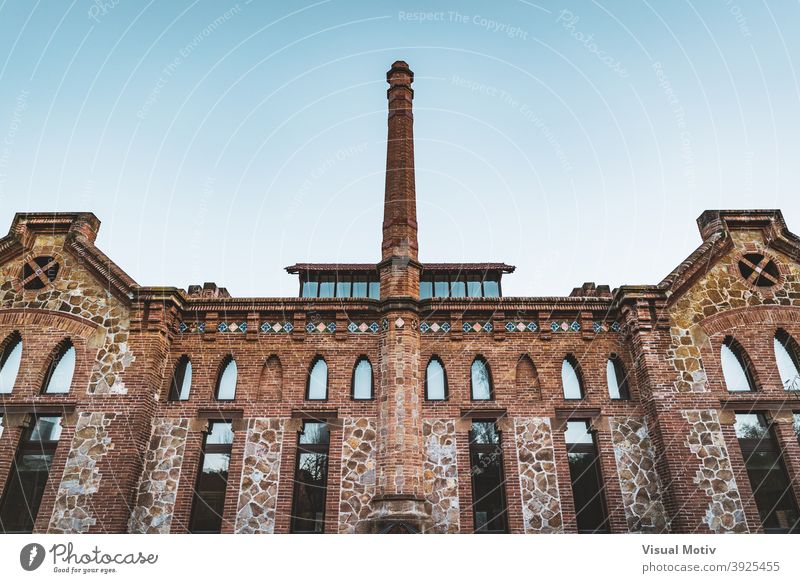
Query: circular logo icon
column 31, row 556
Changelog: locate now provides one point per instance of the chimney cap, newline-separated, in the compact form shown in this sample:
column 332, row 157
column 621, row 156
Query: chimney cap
column 400, row 74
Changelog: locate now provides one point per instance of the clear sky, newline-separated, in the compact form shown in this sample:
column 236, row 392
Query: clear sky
column 221, row 141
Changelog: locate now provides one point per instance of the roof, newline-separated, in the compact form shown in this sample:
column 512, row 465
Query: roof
column 488, row 266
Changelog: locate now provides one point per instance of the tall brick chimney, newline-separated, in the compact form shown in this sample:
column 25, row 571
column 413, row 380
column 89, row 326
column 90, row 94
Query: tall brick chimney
column 399, row 267
column 399, row 502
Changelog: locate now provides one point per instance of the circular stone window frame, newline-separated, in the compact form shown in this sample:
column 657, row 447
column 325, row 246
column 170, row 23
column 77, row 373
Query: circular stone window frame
column 769, row 289
column 29, row 258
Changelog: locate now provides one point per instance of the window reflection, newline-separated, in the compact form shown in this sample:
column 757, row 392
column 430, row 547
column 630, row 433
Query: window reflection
column 488, row 484
column 311, row 478
column 59, row 374
column 588, row 490
column 787, row 357
column 317, row 389
column 570, row 381
column 735, row 367
column 435, row 381
column 362, row 380
column 481, row 380
column 10, row 359
column 208, row 504
column 226, row 386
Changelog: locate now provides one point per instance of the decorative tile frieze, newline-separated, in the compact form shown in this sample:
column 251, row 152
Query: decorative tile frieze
column 232, row 327
column 363, row 328
column 434, row 327
column 276, row 327
column 565, row 326
column 517, row 326
column 192, row 327
column 477, row 327
column 321, row 328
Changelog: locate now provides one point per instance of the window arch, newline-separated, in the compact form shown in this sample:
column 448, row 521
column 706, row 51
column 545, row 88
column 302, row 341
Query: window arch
column 617, row 379
column 435, row 380
column 787, row 357
column 481, row 380
column 10, row 359
column 181, row 380
column 226, row 382
column 363, row 382
column 527, row 379
column 271, row 384
column 571, row 381
column 60, row 370
column 736, row 367
column 317, row 385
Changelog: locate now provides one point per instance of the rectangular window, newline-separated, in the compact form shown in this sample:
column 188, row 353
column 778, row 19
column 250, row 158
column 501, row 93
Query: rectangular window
column 488, row 484
column 311, row 478
column 458, row 288
column 587, row 483
column 771, row 488
column 441, row 286
column 360, row 285
column 425, row 290
column 375, row 290
column 797, row 426
column 212, row 480
column 491, row 288
column 28, row 477
column 343, row 287
column 310, row 288
column 474, row 287
column 327, row 285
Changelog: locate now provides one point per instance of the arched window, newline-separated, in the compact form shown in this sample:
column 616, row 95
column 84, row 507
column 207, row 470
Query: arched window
column 617, row 379
column 482, row 389
column 736, row 367
column 181, row 380
column 362, row 379
column 10, row 358
column 271, row 385
column 317, row 389
column 59, row 374
column 787, row 355
column 571, row 379
column 226, row 383
column 526, row 378
column 435, row 381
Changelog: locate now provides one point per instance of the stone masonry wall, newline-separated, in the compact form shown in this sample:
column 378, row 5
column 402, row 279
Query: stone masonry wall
column 258, row 492
column 358, row 472
column 440, row 476
column 639, row 482
column 72, row 512
column 76, row 292
column 541, row 504
column 155, row 501
column 715, row 474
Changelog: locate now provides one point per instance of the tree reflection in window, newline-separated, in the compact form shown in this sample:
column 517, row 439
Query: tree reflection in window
column 488, row 483
column 481, row 378
column 58, row 378
column 212, row 481
column 787, row 357
column 311, row 478
column 588, row 490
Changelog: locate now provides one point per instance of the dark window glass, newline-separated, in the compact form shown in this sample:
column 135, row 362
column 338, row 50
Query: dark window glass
column 425, row 290
column 616, row 379
column 474, row 287
column 375, row 290
column 343, row 287
column 38, row 273
column 326, row 286
column 362, row 380
column 481, row 381
column 181, row 380
column 28, row 477
column 311, row 478
column 491, row 288
column 310, row 289
column 226, row 385
column 212, row 480
column 458, row 288
column 441, row 286
column 570, row 379
column 736, row 367
column 360, row 286
column 771, row 488
column 435, row 381
column 10, row 359
column 488, row 483
column 587, row 484
column 317, row 389
column 58, row 378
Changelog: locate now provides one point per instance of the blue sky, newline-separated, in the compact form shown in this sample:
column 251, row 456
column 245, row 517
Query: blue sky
column 221, row 141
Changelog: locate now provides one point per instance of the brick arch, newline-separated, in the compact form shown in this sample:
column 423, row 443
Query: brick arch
column 526, row 377
column 753, row 328
column 270, row 383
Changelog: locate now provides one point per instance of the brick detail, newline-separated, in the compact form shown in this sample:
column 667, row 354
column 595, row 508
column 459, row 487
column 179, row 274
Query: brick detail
column 541, row 503
column 638, row 480
column 258, row 491
column 162, row 471
column 440, row 474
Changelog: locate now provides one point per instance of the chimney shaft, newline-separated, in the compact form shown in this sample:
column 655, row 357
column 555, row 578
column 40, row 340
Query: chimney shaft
column 400, row 201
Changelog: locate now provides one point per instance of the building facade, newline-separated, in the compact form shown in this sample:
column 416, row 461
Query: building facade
column 400, row 396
